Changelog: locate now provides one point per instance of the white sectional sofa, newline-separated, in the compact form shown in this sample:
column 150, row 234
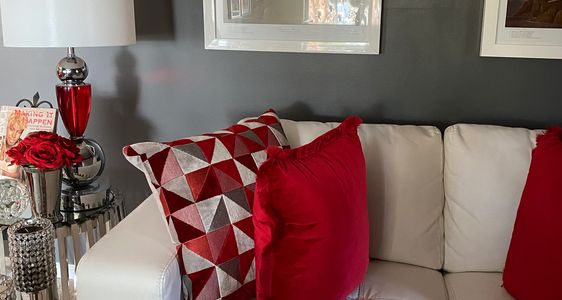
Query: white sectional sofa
column 441, row 211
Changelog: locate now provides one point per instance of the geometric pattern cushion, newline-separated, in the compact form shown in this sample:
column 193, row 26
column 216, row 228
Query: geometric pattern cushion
column 206, row 189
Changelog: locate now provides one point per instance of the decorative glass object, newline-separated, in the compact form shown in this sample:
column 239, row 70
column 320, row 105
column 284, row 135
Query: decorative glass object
column 7, row 291
column 45, row 187
column 32, row 253
column 14, row 198
column 74, row 105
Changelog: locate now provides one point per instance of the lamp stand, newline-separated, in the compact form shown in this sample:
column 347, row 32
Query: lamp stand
column 74, row 97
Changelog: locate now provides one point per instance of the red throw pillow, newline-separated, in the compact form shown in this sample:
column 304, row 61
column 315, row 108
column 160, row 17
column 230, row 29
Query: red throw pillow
column 534, row 261
column 206, row 187
column 310, row 218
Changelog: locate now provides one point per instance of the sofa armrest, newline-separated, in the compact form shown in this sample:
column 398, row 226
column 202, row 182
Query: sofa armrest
column 135, row 260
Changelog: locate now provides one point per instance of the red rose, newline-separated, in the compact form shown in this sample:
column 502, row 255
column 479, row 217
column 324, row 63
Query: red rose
column 46, row 136
column 68, row 144
column 17, row 154
column 45, row 150
column 45, row 155
column 71, row 151
column 36, row 137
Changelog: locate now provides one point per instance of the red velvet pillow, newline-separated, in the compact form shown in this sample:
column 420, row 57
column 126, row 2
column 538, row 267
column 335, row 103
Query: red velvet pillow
column 533, row 269
column 310, row 218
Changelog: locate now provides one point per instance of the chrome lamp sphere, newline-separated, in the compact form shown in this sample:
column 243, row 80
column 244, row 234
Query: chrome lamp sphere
column 91, row 167
column 72, row 69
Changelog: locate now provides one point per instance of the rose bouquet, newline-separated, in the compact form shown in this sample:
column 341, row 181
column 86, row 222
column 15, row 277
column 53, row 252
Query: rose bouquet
column 45, row 151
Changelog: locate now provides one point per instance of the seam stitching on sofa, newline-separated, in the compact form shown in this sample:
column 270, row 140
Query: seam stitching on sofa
column 444, row 202
column 163, row 274
column 450, row 290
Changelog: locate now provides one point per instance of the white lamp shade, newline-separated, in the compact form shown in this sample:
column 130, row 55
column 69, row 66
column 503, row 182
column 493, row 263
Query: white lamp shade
column 68, row 23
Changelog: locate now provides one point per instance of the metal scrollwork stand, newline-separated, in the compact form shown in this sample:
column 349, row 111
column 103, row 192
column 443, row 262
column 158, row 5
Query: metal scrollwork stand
column 35, row 103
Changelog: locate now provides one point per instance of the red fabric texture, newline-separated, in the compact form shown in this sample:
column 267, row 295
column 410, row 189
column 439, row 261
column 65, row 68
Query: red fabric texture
column 310, row 218
column 206, row 186
column 533, row 269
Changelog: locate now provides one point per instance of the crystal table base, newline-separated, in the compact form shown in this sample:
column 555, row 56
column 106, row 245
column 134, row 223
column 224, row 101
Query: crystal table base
column 7, row 285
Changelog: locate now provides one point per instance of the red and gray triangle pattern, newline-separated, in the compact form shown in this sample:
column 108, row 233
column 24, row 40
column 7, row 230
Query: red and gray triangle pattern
column 206, row 188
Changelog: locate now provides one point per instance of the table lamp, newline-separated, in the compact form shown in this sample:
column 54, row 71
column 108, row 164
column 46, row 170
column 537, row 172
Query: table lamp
column 69, row 24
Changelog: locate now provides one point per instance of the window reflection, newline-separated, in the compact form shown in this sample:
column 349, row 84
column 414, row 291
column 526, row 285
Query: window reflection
column 240, row 8
column 343, row 12
column 338, row 12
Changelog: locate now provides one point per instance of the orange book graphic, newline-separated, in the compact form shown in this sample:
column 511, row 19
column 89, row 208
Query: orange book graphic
column 15, row 124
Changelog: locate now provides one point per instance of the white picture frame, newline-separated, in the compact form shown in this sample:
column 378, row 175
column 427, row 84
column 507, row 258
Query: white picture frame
column 498, row 40
column 339, row 39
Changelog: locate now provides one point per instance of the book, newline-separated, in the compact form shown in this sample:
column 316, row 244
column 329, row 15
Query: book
column 15, row 124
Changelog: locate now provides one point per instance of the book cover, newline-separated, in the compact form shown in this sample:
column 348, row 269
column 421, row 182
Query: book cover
column 15, row 124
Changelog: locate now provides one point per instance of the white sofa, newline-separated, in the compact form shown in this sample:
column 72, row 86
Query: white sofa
column 441, row 213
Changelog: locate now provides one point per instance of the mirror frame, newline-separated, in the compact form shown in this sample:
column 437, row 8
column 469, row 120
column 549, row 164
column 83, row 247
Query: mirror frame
column 290, row 38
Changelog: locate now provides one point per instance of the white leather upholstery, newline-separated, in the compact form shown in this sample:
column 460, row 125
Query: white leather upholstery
column 135, row 260
column 485, row 171
column 481, row 286
column 405, row 188
column 388, row 280
column 485, row 168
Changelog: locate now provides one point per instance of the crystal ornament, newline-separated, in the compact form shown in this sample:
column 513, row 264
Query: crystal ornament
column 14, row 199
column 32, row 253
column 7, row 291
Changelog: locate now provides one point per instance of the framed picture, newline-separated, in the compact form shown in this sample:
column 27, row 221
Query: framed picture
column 522, row 28
column 317, row 26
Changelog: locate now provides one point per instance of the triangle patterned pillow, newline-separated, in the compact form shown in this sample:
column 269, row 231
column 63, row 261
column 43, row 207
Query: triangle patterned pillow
column 206, row 189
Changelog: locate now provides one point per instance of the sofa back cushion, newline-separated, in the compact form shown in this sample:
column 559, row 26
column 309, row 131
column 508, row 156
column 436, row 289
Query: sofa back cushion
column 485, row 172
column 404, row 188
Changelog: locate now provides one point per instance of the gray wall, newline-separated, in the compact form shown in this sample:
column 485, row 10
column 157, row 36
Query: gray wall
column 167, row 86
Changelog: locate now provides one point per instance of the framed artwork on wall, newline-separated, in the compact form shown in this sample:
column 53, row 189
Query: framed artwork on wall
column 315, row 26
column 522, row 28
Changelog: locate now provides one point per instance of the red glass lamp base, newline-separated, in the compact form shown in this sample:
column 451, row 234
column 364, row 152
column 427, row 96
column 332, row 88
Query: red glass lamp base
column 74, row 105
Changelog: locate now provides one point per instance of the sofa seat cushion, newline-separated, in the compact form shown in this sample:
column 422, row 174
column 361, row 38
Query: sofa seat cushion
column 476, row 285
column 396, row 281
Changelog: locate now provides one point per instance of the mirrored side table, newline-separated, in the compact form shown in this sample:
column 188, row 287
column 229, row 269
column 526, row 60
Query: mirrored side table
column 75, row 235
